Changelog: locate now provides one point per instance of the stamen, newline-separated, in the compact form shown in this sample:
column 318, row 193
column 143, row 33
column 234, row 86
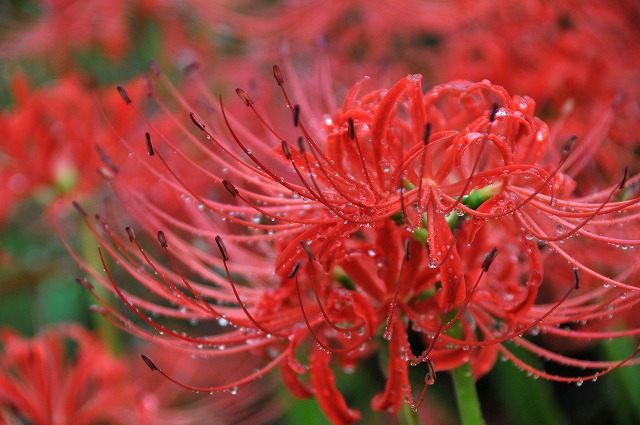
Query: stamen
column 79, row 208
column 230, row 187
column 295, row 269
column 149, row 362
column 84, row 282
column 278, row 75
column 285, row 149
column 576, row 278
column 124, row 95
column 149, row 144
column 296, row 115
column 244, row 96
column 625, row 177
column 489, row 259
column 131, row 234
column 308, row 251
column 223, row 249
column 494, row 111
column 196, row 121
column 351, row 129
column 162, row 239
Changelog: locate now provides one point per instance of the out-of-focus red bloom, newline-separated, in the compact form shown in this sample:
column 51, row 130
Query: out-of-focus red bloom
column 51, row 140
column 402, row 213
column 66, row 376
column 68, row 25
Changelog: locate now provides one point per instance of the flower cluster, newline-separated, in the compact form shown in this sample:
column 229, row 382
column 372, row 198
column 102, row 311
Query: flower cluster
column 417, row 225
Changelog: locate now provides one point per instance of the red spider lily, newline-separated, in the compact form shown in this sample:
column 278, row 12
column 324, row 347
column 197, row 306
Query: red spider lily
column 66, row 25
column 65, row 376
column 401, row 213
column 45, row 149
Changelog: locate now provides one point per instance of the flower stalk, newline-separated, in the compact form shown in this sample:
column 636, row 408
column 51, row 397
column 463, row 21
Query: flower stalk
column 466, row 395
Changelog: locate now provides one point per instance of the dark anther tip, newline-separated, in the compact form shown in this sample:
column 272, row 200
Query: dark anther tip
column 427, row 133
column 230, row 187
column 196, row 121
column 124, row 95
column 489, row 259
column 162, row 239
column 285, row 149
column 296, row 115
column 576, row 278
column 244, row 96
column 351, row 128
column 150, row 150
column 494, row 111
column 79, row 208
column 278, row 75
column 149, row 362
column 625, row 177
column 132, row 235
column 295, row 269
column 307, row 250
column 222, row 248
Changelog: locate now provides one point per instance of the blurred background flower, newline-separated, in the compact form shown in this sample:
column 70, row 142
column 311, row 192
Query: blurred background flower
column 65, row 133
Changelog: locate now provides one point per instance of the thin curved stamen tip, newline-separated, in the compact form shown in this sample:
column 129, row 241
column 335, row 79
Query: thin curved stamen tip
column 230, row 187
column 352, row 131
column 576, row 278
column 494, row 111
column 196, row 121
column 150, row 150
column 162, row 239
column 149, row 363
column 222, row 248
column 131, row 233
column 294, row 271
column 427, row 133
column 79, row 208
column 244, row 96
column 84, row 282
column 489, row 259
column 123, row 94
column 278, row 75
column 285, row 149
column 625, row 177
column 307, row 250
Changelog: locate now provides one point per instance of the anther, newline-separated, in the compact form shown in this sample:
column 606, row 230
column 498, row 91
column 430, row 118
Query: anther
column 352, row 130
column 79, row 208
column 427, row 133
column 230, row 187
column 124, row 95
column 407, row 254
column 307, row 250
column 149, row 362
column 278, row 75
column 301, row 144
column 568, row 145
column 494, row 111
column 576, row 278
column 84, row 282
column 489, row 259
column 162, row 239
column 295, row 269
column 285, row 149
column 625, row 177
column 244, row 96
column 296, row 114
column 196, row 121
column 222, row 248
column 150, row 150
column 132, row 236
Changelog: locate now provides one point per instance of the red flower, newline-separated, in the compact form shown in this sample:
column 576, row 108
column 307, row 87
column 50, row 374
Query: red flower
column 401, row 213
column 66, row 376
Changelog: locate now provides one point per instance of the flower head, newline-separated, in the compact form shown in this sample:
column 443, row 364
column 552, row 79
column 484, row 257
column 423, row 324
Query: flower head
column 401, row 213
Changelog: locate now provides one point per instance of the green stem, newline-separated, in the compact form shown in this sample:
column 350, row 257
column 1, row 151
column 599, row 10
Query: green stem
column 108, row 333
column 407, row 416
column 467, row 396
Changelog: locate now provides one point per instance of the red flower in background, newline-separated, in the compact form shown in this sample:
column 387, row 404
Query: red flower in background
column 66, row 376
column 52, row 139
column 402, row 212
